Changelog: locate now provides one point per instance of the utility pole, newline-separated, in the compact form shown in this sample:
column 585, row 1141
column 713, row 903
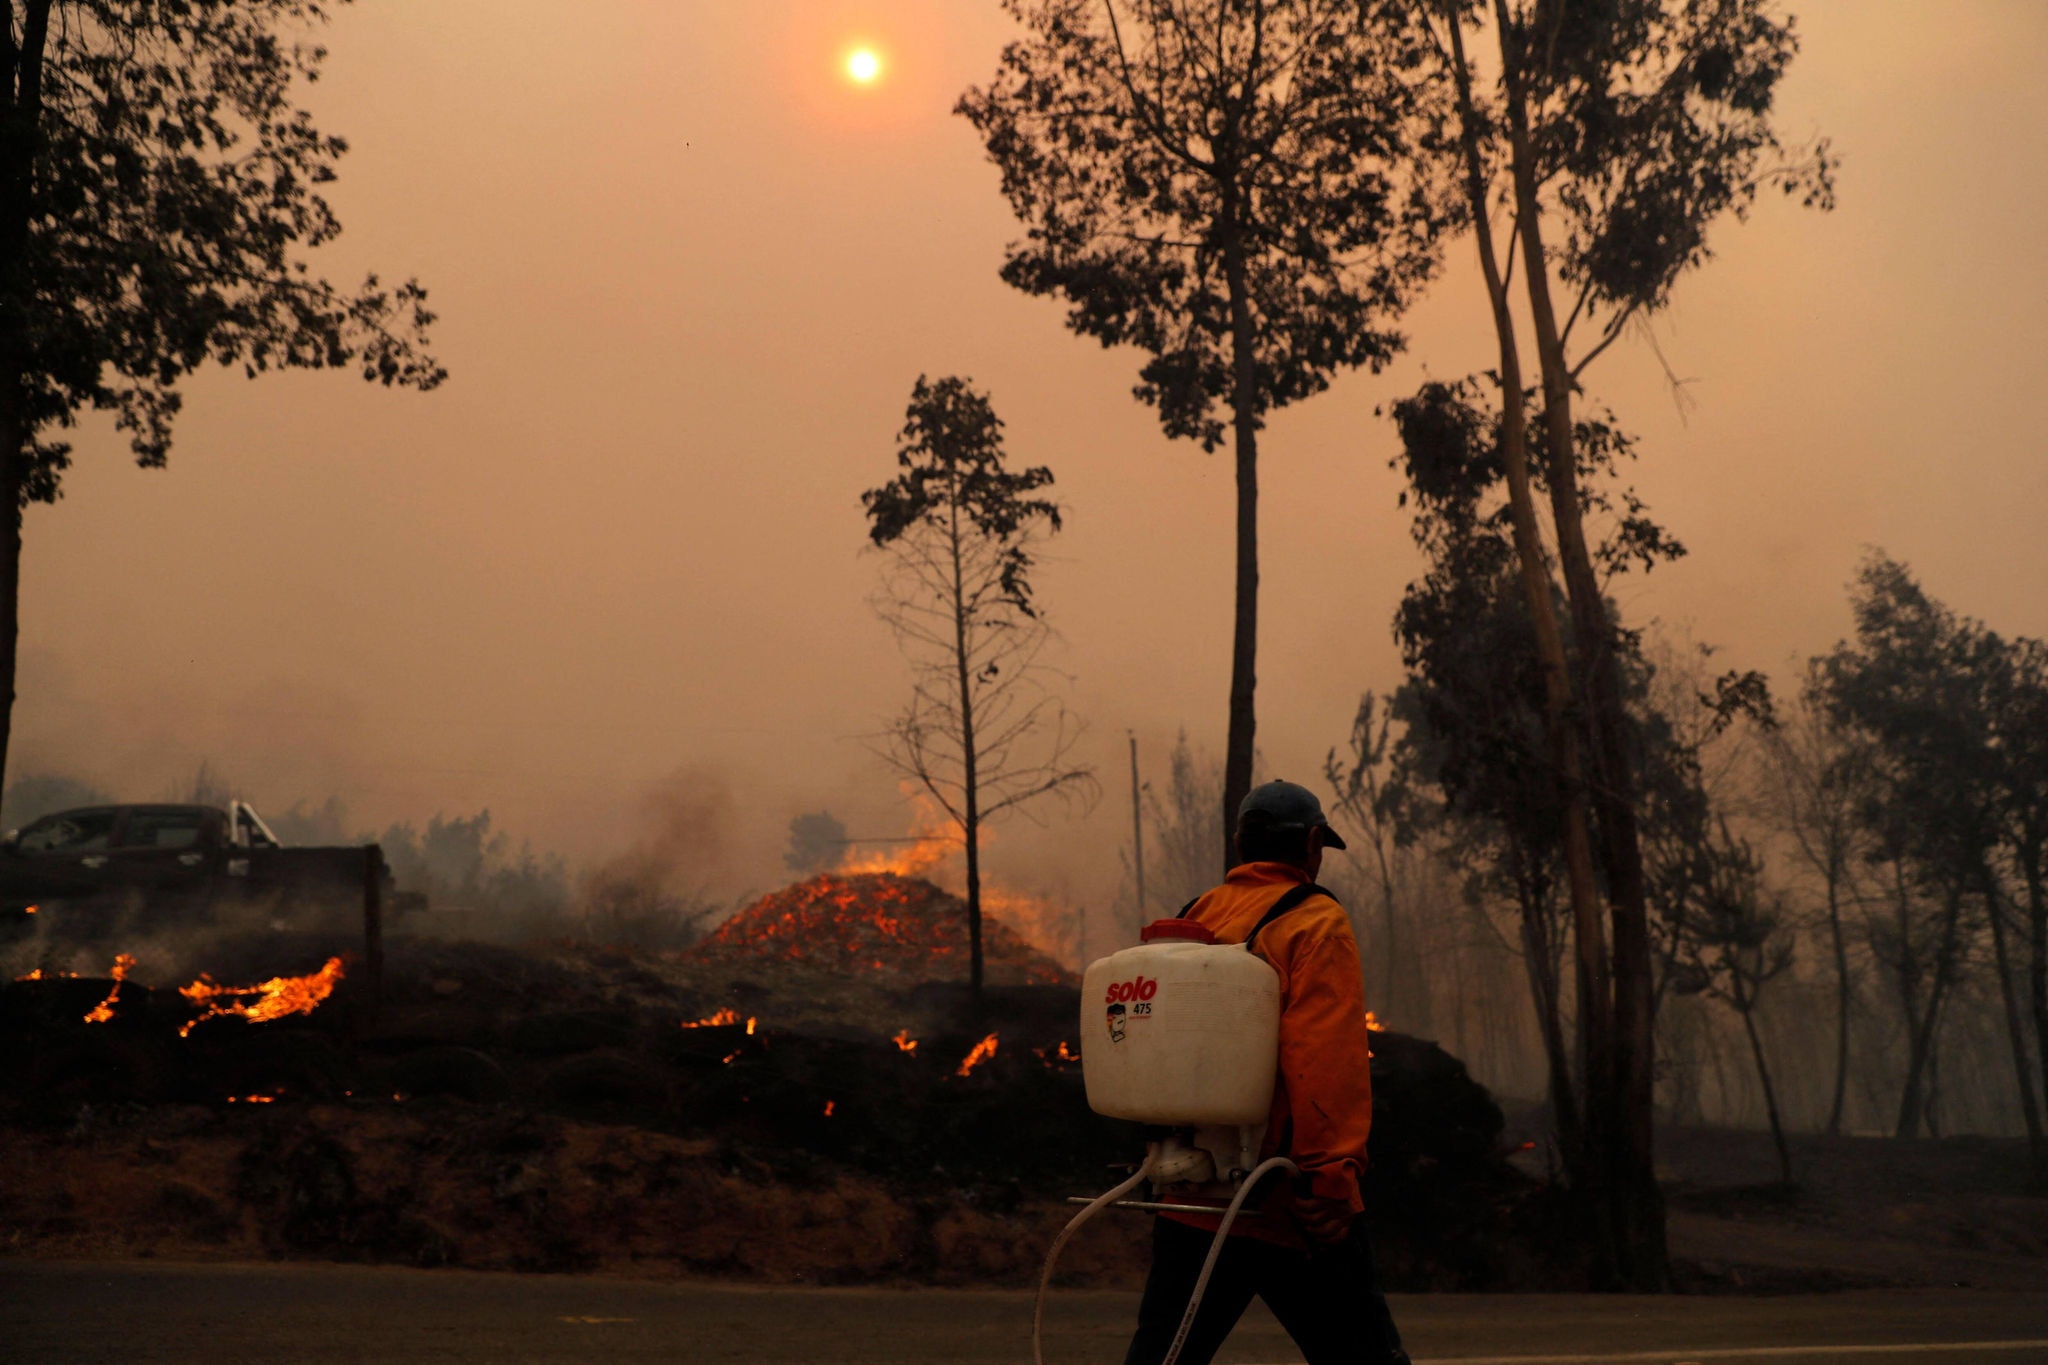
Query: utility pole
column 1137, row 829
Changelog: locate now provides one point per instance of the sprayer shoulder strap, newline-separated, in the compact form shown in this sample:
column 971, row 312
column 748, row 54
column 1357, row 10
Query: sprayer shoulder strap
column 1292, row 897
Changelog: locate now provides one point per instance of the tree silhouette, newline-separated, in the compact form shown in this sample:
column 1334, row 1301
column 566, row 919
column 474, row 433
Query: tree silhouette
column 1615, row 136
column 981, row 733
column 1925, row 689
column 1219, row 183
column 817, row 843
column 158, row 191
column 1730, row 940
column 1818, row 780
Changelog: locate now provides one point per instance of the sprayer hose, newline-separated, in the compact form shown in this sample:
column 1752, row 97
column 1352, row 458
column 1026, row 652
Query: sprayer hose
column 1138, row 1178
column 1102, row 1202
column 1187, row 1320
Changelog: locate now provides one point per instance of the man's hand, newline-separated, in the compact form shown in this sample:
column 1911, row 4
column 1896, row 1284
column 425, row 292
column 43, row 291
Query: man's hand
column 1326, row 1221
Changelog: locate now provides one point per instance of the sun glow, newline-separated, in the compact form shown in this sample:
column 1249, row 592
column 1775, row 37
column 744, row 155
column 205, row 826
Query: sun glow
column 863, row 65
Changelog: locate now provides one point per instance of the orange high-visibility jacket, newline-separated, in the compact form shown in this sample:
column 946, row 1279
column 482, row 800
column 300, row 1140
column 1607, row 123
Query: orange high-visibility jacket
column 1322, row 1100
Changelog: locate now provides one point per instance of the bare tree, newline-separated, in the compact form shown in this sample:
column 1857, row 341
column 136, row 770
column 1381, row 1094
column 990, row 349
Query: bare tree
column 983, row 733
column 1817, row 776
column 1183, row 823
column 1734, row 940
column 1373, row 796
column 2022, row 711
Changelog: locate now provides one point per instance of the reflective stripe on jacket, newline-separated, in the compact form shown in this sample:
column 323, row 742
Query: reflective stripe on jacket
column 1322, row 1098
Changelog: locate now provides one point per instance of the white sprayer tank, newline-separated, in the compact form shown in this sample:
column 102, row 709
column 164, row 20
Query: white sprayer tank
column 1180, row 1031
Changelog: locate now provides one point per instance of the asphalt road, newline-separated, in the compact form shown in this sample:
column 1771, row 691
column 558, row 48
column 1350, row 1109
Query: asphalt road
column 149, row 1312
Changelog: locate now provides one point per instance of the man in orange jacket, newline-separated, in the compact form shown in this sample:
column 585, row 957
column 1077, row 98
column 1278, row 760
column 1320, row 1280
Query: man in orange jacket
column 1306, row 1252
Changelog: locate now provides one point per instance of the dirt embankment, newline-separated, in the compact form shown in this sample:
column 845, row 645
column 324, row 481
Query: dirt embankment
column 438, row 1182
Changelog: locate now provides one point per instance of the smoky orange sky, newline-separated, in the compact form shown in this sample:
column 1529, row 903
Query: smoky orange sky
column 687, row 273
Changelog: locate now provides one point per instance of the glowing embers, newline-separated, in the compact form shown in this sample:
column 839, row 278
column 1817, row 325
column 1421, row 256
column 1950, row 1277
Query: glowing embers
column 829, row 1105
column 983, row 1050
column 726, row 1018
column 904, row 1042
column 274, row 999
column 102, row 1012
column 862, row 923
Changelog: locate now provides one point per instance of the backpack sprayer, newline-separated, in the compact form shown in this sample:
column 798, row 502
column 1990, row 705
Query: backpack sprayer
column 1181, row 1033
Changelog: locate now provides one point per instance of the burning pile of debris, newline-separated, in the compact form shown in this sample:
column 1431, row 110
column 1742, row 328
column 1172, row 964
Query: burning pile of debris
column 901, row 928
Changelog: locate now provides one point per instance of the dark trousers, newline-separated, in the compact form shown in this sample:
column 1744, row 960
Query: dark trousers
column 1328, row 1299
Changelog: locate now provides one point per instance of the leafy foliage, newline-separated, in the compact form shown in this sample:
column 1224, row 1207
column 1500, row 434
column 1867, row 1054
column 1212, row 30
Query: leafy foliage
column 1154, row 149
column 951, row 455
column 158, row 188
column 1649, row 121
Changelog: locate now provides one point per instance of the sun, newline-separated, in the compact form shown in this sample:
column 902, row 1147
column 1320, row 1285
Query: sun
column 863, row 65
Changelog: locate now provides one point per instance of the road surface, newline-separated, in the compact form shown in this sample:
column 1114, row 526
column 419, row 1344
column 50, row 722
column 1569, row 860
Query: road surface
column 150, row 1312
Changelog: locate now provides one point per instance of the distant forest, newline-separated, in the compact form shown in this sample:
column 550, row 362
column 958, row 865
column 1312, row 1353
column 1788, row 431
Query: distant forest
column 1846, row 873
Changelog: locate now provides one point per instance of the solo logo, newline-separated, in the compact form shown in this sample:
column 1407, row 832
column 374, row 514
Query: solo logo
column 1125, row 991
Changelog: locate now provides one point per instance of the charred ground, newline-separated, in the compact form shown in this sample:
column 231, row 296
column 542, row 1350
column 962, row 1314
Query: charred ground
column 791, row 1100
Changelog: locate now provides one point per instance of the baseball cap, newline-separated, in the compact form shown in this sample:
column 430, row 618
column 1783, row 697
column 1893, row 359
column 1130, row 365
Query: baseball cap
column 1285, row 805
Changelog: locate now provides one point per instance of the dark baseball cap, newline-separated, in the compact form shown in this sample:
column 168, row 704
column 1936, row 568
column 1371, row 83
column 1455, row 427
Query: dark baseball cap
column 1285, row 805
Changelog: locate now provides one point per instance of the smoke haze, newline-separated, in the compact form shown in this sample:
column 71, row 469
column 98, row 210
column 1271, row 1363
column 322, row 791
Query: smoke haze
column 686, row 276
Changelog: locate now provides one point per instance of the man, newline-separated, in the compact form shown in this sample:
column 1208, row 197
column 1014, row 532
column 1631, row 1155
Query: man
column 1306, row 1253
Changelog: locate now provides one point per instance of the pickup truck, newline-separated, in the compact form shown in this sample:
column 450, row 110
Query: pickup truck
column 73, row 870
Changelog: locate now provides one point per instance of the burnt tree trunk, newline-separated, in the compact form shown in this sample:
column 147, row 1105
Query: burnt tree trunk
column 1745, row 1005
column 1244, row 645
column 2037, row 960
column 1630, row 1086
column 21, row 86
column 13, row 459
column 1543, row 991
column 1913, row 1105
column 1589, row 936
column 2015, row 1025
column 970, row 819
column 1841, row 950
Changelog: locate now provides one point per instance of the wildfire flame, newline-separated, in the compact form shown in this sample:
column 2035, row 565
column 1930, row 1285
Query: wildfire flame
column 252, row 1099
column 28, row 909
column 1059, row 1056
column 40, row 975
column 273, row 999
column 904, row 1042
column 1373, row 1024
column 914, row 859
column 100, row 1013
column 934, row 841
column 828, row 1109
column 983, row 1050
column 931, row 841
column 725, row 1018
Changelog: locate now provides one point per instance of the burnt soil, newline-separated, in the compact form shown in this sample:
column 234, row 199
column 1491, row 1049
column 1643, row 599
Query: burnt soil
column 544, row 1108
